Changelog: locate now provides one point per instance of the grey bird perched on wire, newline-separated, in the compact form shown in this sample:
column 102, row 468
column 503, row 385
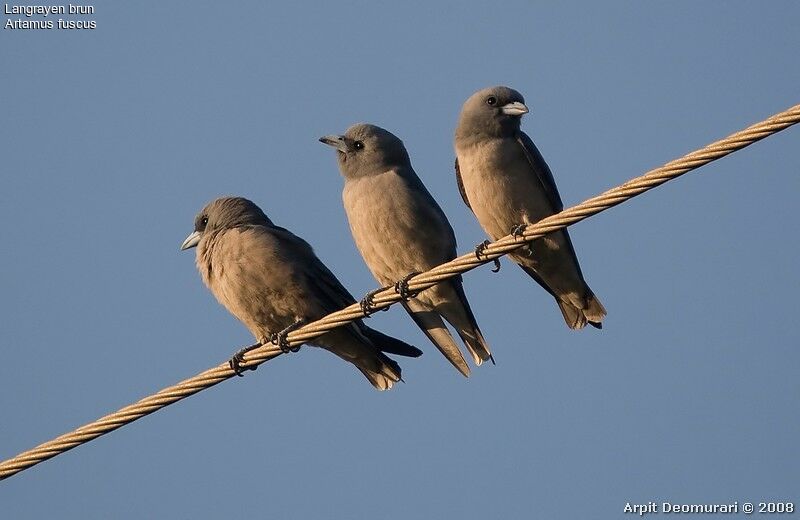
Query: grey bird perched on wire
column 503, row 178
column 401, row 230
column 272, row 281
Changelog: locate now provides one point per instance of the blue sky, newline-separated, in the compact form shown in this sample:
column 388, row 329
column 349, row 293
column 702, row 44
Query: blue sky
column 113, row 138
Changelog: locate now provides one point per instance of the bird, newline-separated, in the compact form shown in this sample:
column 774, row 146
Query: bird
column 272, row 281
column 400, row 230
column 505, row 181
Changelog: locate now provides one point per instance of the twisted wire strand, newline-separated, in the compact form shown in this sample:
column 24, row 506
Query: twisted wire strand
column 389, row 296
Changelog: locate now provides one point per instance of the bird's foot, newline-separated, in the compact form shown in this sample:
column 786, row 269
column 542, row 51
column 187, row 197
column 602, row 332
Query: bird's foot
column 367, row 303
column 480, row 250
column 236, row 361
column 401, row 286
column 280, row 338
column 518, row 230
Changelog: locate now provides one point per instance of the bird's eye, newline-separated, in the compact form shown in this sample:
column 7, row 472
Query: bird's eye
column 358, row 145
column 491, row 101
column 204, row 221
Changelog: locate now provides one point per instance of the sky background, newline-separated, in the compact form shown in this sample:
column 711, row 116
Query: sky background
column 112, row 139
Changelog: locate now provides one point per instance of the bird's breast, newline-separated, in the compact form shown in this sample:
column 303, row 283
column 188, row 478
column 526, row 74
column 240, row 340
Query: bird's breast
column 502, row 189
column 389, row 223
column 247, row 278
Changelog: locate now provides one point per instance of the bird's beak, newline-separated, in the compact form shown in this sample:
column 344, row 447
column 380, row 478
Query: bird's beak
column 337, row 141
column 514, row 109
column 191, row 241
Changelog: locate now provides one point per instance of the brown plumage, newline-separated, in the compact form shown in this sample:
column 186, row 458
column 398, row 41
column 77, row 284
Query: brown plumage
column 503, row 178
column 270, row 279
column 399, row 228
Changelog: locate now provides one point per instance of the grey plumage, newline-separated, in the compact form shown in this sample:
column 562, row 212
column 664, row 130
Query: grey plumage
column 269, row 279
column 399, row 228
column 503, row 178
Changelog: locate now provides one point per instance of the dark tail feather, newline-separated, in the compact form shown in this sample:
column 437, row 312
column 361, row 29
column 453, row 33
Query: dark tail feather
column 572, row 315
column 389, row 344
column 389, row 374
column 594, row 310
column 470, row 333
column 434, row 328
column 591, row 312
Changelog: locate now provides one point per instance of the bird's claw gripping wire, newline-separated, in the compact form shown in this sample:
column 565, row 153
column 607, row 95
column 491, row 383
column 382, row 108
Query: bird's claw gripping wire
column 401, row 286
column 279, row 338
column 367, row 303
column 236, row 361
column 518, row 231
column 480, row 250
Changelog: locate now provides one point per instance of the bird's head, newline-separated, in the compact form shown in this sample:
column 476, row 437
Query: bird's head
column 491, row 112
column 366, row 149
column 224, row 213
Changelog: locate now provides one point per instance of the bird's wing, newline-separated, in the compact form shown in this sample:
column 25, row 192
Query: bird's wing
column 541, row 170
column 430, row 222
column 332, row 295
column 328, row 289
column 545, row 176
column 461, row 189
column 431, row 323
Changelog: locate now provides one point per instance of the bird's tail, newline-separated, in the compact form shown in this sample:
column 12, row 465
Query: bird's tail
column 579, row 309
column 388, row 375
column 460, row 316
column 362, row 347
column 381, row 370
column 389, row 344
column 429, row 321
column 578, row 312
column 476, row 344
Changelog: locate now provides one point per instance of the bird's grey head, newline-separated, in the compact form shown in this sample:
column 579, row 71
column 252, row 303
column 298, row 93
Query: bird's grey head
column 491, row 112
column 367, row 150
column 224, row 213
